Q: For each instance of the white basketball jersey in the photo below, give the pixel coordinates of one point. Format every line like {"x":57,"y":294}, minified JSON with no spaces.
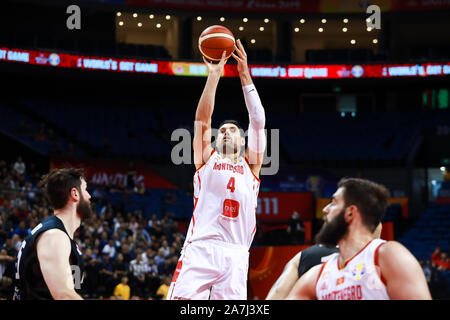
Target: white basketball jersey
{"x":356,"y":280}
{"x":225,"y":200}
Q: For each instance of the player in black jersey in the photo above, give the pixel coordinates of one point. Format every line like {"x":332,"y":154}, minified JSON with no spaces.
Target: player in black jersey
{"x":300,"y":264}
{"x":296,"y":267}
{"x":49,"y":264}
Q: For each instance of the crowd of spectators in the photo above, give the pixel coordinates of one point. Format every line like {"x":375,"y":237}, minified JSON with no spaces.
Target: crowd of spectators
{"x":126,"y":255}
{"x":437,"y":273}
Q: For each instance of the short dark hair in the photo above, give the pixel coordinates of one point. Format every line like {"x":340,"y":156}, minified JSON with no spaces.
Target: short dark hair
{"x":232,"y":122}
{"x":371,"y":199}
{"x":58,"y":183}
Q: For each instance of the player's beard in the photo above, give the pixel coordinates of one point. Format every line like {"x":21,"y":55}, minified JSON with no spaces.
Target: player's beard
{"x":84,"y":209}
{"x":332,"y":231}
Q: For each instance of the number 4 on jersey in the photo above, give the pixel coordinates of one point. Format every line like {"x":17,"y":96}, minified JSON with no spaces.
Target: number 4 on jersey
{"x":230,"y":184}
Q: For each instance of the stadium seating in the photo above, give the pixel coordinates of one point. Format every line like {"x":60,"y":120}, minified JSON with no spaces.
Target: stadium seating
{"x":309,"y":136}
{"x":126,"y":132}
{"x":431,"y":230}
{"x":153,"y":202}
{"x":10,"y":125}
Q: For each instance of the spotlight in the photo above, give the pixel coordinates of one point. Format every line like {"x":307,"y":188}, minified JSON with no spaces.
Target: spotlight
{"x":199,"y":18}
{"x":320,"y":29}
{"x":139,"y":24}
{"x":119,"y":14}
{"x":324,"y":20}
{"x":241,"y":28}
{"x":344,"y":29}
{"x":135,"y":15}
{"x":120,"y":23}
{"x":222,"y":19}
{"x":151,"y":16}
{"x":345,"y":20}
{"x":266,"y":20}
{"x":253,"y":41}
{"x":261,"y":28}
{"x":245,"y":19}
{"x":375,"y":40}
{"x":168,"y":17}
{"x":302,"y":20}
{"x":297,"y":29}
{"x":353,"y":41}
{"x":158,"y":25}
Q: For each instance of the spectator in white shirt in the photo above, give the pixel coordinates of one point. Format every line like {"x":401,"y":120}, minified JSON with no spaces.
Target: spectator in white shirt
{"x":19,"y":166}
{"x":166,"y":248}
{"x":110,"y":249}
{"x":160,"y":256}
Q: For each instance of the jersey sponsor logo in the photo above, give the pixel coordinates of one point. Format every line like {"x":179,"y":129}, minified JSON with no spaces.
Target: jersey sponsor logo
{"x":226,"y":166}
{"x":340,"y":281}
{"x":230,"y":208}
{"x":358,"y":271}
{"x":348,"y":293}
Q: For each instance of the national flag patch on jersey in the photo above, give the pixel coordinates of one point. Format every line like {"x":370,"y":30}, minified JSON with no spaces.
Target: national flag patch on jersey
{"x":340,"y":281}
{"x":358,"y":271}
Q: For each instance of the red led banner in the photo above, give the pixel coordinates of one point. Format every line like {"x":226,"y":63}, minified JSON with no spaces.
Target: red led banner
{"x":180,"y":68}
{"x":281,"y":205}
{"x":113,"y":173}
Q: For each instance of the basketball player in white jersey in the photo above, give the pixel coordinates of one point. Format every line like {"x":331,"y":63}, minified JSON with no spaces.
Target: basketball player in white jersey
{"x":365,"y":268}
{"x":214,"y":261}
{"x":300,"y":264}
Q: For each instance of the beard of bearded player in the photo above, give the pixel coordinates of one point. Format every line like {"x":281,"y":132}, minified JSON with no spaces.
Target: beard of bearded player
{"x":84,"y":208}
{"x":332,"y":231}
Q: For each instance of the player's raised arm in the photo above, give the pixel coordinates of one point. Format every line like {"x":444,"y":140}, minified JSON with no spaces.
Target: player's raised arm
{"x":256,"y":136}
{"x":202,"y":125}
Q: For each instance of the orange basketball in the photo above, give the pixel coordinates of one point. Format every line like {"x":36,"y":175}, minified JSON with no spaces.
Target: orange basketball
{"x":214,"y":40}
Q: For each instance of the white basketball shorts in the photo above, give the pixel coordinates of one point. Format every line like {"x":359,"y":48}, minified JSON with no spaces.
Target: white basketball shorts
{"x":210,"y":269}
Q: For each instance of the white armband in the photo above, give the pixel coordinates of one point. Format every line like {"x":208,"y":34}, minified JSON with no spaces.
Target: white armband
{"x":256,"y":136}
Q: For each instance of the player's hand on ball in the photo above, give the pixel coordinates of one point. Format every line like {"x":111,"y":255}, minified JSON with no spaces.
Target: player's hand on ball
{"x":216,"y":68}
{"x":241,"y":57}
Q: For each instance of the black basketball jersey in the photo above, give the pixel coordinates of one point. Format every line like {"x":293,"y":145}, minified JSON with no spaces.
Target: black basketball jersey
{"x":312,"y":256}
{"x":29,"y":281}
